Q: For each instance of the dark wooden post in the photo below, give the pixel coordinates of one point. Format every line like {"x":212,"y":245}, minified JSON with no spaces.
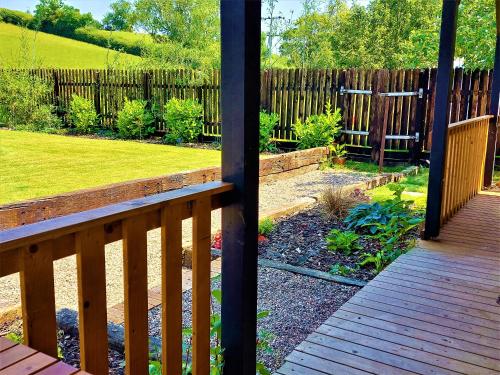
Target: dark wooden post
{"x":489,"y":166}
{"x":240,"y":65}
{"x":441,"y":110}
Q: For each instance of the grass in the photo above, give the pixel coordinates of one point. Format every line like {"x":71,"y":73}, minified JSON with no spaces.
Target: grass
{"x":361,"y":166}
{"x":35,"y":164}
{"x":47,"y":50}
{"x":415,"y":189}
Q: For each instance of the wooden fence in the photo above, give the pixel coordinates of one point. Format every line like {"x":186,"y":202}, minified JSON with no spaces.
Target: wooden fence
{"x":295,"y":94}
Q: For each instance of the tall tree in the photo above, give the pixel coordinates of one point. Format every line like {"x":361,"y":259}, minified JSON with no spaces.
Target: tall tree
{"x":119,"y":17}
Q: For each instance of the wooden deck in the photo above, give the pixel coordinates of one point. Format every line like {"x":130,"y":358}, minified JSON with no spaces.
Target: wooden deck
{"x":435,"y":310}
{"x":18,"y":359}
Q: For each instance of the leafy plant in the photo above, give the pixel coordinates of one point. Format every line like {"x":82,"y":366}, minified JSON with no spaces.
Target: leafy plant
{"x":83,"y":114}
{"x":344,"y":241}
{"x":394,"y":214}
{"x":340,"y":269}
{"x":266,"y":226}
{"x":267,"y":123}
{"x":216,"y":350}
{"x":318,"y":130}
{"x":134,"y":120}
{"x":338,"y":150}
{"x":184,"y":120}
{"x":23,"y":102}
{"x":380,"y":259}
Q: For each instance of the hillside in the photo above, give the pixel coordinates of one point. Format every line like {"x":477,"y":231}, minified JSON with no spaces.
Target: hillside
{"x":55,"y":51}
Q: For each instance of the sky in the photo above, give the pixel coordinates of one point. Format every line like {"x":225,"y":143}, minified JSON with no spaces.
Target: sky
{"x":99,"y":8}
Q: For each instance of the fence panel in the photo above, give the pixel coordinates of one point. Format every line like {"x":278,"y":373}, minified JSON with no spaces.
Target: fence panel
{"x":294,"y":94}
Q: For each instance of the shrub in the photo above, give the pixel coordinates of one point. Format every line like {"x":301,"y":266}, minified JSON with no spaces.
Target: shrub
{"x":267,"y":123}
{"x":318,"y":130}
{"x":184,"y":120}
{"x":338,"y":150}
{"x":266,"y":226}
{"x":125,"y":41}
{"x":344,"y":241}
{"x":23,"y":102}
{"x":83,"y":114}
{"x":134,"y":120}
{"x":15,"y":17}
{"x":336,"y":203}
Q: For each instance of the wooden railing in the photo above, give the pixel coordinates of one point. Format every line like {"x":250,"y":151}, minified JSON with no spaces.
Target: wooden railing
{"x":32,"y":249}
{"x":464,"y":163}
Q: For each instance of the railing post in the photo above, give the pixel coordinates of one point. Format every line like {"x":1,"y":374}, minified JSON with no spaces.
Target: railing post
{"x":489,"y":165}
{"x":240,"y":37}
{"x":441,"y":110}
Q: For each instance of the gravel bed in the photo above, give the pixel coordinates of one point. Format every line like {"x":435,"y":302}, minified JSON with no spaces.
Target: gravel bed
{"x":297,"y":305}
{"x":273,"y":196}
{"x":299,"y":240}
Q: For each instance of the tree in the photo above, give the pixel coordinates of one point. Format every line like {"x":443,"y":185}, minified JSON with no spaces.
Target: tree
{"x":191,"y":23}
{"x":55,"y":17}
{"x":120,"y":16}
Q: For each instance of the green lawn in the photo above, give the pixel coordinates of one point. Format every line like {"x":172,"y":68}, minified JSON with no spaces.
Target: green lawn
{"x":54,"y":51}
{"x":415,"y":189}
{"x":35,"y":165}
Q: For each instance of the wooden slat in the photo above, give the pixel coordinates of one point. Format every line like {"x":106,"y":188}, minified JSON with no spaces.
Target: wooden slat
{"x":37,"y":296}
{"x":171,"y":255}
{"x":14,"y":354}
{"x":201,"y":286}
{"x":59,"y":368}
{"x":5,"y":344}
{"x":30,"y":365}
{"x":135,"y":268}
{"x":92,"y":300}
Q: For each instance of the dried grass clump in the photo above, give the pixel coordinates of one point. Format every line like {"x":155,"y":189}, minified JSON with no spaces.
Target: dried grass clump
{"x":336,"y":203}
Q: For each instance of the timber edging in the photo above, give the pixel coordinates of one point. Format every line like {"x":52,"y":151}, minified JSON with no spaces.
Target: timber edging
{"x":32,"y":211}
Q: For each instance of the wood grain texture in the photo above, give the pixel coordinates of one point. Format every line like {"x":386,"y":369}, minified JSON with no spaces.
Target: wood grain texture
{"x":37,"y":298}
{"x":135,"y":277}
{"x":171,"y":257}
{"x":201,"y":286}
{"x":93,"y":322}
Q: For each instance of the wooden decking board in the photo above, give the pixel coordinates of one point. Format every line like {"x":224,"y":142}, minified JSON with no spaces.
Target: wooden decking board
{"x":434,"y":310}
{"x":22,"y":360}
{"x":473,"y":308}
{"x":473,"y":353}
{"x":431,"y":307}
{"x":484,"y":290}
{"x":443,"y":289}
{"x":444,"y":320}
{"x":290,"y":368}
{"x":487,"y":343}
{"x":459,"y":357}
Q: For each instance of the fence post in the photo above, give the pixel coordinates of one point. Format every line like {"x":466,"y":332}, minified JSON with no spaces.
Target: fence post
{"x":97,"y":95}
{"x":56,"y":92}
{"x":418,"y":144}
{"x":380,"y":82}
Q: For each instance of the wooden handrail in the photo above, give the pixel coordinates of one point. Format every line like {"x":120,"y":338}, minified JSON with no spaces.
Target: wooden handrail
{"x":32,"y":249}
{"x":469,"y":121}
{"x":464,"y":163}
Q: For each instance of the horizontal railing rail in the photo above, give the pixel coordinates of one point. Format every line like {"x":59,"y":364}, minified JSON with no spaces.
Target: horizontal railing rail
{"x":464,"y":163}
{"x":32,"y":249}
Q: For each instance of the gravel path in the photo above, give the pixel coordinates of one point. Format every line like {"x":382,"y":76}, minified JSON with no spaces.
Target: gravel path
{"x":297,"y":305}
{"x":273,"y":196}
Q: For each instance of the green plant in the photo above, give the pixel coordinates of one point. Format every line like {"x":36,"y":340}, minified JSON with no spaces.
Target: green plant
{"x":380,"y":259}
{"x":83,"y":114}
{"x":340,"y":269}
{"x":216,"y":350}
{"x":344,"y":241}
{"x":338,"y":150}
{"x":134,"y":120}
{"x":23,"y":102}
{"x":318,"y":130}
{"x":266,"y":226}
{"x":15,"y":17}
{"x":267,"y":123}
{"x":184,"y":120}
